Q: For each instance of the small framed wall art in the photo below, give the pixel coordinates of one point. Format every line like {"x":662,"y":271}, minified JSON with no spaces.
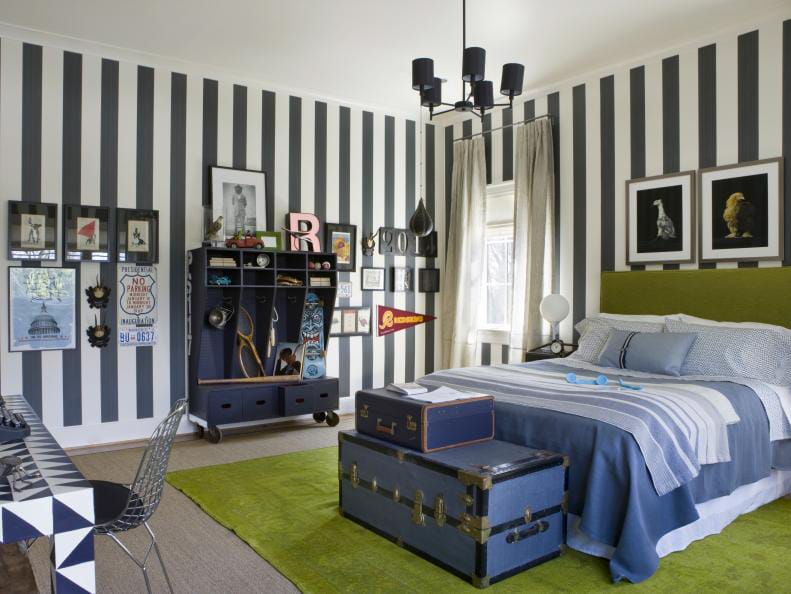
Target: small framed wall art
{"x":32,"y":230}
{"x":341,"y":240}
{"x":401,"y":279}
{"x":344,"y":290}
{"x":42,"y":308}
{"x":86,"y":233}
{"x":137,"y":235}
{"x":428,"y":280}
{"x":660,"y":215}
{"x":372,"y":279}
{"x":272,"y":240}
{"x":351,"y":321}
{"x":741,"y":211}
{"x":239,"y":197}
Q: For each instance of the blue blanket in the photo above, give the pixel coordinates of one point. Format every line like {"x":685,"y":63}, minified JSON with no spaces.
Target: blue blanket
{"x":610,"y":487}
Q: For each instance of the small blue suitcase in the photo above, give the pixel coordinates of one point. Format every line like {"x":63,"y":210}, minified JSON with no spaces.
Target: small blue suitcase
{"x":483,"y":512}
{"x":423,"y":426}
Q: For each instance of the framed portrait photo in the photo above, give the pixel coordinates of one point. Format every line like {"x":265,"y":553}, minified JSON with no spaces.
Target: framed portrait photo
{"x":660,"y":217}
{"x":87,"y":233}
{"x":137,"y":235}
{"x":42,"y":308}
{"x":239,"y":197}
{"x":372,"y":279}
{"x":341,"y":240}
{"x":741,"y":211}
{"x":401,"y":279}
{"x":32,"y":230}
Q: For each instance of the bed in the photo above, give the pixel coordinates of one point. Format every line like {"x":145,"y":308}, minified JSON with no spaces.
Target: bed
{"x":644,"y":485}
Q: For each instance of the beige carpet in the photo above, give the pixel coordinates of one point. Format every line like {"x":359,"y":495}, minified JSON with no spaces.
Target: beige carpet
{"x":201,"y":555}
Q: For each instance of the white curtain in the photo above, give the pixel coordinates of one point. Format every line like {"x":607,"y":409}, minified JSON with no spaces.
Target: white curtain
{"x":534,"y":215}
{"x":464,"y":264}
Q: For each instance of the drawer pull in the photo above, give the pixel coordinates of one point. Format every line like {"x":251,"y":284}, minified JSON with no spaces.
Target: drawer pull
{"x":324,"y":395}
{"x":384,"y":428}
{"x":226,"y":405}
{"x":260,"y":402}
{"x":518,"y":535}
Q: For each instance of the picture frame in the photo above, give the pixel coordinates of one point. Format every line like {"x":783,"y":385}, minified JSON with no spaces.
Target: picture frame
{"x":87,"y":233}
{"x":428,"y":280}
{"x":401,"y":279}
{"x":341,"y":240}
{"x":660,"y":219}
{"x":273,"y":240}
{"x":344,"y":290}
{"x":239,"y":196}
{"x":741,"y":211}
{"x":372,"y":279}
{"x":42,"y":309}
{"x":351,"y":321}
{"x":137,"y":235}
{"x":32,"y":231}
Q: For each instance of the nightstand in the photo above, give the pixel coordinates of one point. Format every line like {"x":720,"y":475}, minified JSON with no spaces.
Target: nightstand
{"x":542,"y":353}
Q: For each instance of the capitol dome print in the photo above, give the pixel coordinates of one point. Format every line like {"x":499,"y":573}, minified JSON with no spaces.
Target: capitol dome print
{"x":44,"y":325}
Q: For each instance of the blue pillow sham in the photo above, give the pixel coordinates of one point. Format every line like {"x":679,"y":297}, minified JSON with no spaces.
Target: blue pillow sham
{"x":663,"y":353}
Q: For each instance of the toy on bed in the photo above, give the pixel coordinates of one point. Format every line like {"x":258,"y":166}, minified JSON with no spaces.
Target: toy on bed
{"x":600,"y":380}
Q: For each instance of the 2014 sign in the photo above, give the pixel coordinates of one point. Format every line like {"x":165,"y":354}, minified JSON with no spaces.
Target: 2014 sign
{"x":137,"y":305}
{"x":402,"y":242}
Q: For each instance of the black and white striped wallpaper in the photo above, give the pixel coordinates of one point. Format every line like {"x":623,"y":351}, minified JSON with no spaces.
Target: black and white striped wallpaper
{"x":76,"y":127}
{"x":722,"y":101}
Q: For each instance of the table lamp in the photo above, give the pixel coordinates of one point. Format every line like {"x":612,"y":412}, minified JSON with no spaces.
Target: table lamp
{"x":554,"y":309}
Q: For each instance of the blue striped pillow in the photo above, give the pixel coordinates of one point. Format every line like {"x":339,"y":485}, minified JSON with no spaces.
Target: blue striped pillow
{"x":662,"y":353}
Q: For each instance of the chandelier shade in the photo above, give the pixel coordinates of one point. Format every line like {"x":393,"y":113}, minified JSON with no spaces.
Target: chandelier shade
{"x":422,"y":74}
{"x":473,"y":64}
{"x":483,"y":94}
{"x":512,"y":80}
{"x":433,"y":96}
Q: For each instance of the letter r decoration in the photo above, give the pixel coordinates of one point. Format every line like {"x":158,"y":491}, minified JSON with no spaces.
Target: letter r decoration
{"x":303,"y":227}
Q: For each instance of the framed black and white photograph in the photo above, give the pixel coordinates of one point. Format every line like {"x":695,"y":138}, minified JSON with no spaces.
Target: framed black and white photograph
{"x":401,"y":279}
{"x":239,"y":197}
{"x":87,"y":233}
{"x":428,"y":280}
{"x":32,"y":230}
{"x":741,"y":211}
{"x":137,"y":234}
{"x":341,"y":240}
{"x":372,"y":279}
{"x":660,"y":219}
{"x":42,"y":305}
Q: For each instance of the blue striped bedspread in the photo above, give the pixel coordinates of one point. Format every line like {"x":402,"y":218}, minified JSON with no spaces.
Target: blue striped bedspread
{"x":678,"y":426}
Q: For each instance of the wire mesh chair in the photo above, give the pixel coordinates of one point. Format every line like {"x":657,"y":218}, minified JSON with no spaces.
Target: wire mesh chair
{"x":120,"y":508}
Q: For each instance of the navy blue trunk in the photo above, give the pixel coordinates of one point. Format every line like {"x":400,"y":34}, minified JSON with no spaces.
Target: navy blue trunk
{"x":484,"y":511}
{"x":422,"y":426}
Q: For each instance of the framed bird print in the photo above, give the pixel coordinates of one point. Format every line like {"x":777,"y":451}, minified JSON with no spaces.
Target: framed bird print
{"x":86,"y":233}
{"x":32,"y":230}
{"x":660,"y":217}
{"x":137,"y":234}
{"x":741,"y":211}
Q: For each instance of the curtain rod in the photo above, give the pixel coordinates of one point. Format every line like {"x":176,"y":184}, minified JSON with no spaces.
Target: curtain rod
{"x":527,"y":121}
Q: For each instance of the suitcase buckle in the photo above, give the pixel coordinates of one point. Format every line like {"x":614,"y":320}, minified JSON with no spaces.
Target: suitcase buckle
{"x":364,"y":411}
{"x":418,"y":517}
{"x":410,"y":424}
{"x":528,"y":514}
{"x":354,"y":476}
{"x":396,"y":494}
{"x":439,"y":510}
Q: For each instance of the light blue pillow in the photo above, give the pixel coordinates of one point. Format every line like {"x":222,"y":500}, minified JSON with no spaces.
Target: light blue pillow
{"x":662,"y":353}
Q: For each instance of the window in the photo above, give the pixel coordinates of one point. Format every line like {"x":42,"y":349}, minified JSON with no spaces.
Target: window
{"x":495,"y":315}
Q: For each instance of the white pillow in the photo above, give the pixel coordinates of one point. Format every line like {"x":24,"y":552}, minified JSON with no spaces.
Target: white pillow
{"x":705,"y":322}
{"x":762,"y":353}
{"x":653,"y":319}
{"x":594,"y":332}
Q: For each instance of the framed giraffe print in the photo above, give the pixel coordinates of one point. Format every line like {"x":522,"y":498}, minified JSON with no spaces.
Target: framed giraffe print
{"x":660,"y":219}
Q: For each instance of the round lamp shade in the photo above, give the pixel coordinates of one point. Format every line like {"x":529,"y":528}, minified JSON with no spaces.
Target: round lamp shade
{"x":473,"y":64}
{"x":422,"y":73}
{"x":432,"y":97}
{"x":554,"y":308}
{"x":512,"y":80}
{"x":483,"y":94}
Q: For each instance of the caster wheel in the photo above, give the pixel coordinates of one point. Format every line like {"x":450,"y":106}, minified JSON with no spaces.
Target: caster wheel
{"x":333,"y":419}
{"x":201,"y":432}
{"x":214,"y":435}
{"x":319,"y":417}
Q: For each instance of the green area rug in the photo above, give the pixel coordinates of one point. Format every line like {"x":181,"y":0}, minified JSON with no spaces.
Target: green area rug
{"x":286,"y":509}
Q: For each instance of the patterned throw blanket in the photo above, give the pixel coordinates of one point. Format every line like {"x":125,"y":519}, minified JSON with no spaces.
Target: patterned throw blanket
{"x":677,"y":426}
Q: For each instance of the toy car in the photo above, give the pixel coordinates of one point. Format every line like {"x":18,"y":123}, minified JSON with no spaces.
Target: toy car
{"x":248,"y":240}
{"x":220,"y":281}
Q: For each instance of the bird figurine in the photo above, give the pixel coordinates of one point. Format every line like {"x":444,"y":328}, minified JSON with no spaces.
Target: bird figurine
{"x":738,"y":216}
{"x":212,"y":233}
{"x":664,"y":224}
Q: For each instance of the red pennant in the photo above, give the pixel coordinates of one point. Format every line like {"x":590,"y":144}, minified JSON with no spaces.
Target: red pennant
{"x":390,"y":319}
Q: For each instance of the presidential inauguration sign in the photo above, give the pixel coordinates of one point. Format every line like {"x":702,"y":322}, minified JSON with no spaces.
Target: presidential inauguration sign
{"x":390,"y":319}
{"x":137,"y":305}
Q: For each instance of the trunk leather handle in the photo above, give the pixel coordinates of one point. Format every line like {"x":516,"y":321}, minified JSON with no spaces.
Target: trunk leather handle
{"x":518,"y":535}
{"x":384,"y":428}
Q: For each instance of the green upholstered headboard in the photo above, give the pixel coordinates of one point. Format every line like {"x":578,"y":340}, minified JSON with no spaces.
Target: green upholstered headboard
{"x":730,"y":294}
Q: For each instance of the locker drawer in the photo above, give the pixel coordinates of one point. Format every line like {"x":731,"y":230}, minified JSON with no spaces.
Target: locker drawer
{"x":261,"y":403}
{"x":225,"y":406}
{"x":297,"y":399}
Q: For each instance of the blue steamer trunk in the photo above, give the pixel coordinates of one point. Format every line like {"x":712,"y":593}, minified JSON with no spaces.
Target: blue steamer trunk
{"x":484,"y":511}
{"x":421,"y":425}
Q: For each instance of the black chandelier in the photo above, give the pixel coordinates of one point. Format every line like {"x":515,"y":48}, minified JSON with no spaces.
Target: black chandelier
{"x":473,"y":68}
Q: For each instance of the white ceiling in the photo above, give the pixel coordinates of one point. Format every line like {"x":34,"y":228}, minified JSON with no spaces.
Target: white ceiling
{"x":360,"y":50}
